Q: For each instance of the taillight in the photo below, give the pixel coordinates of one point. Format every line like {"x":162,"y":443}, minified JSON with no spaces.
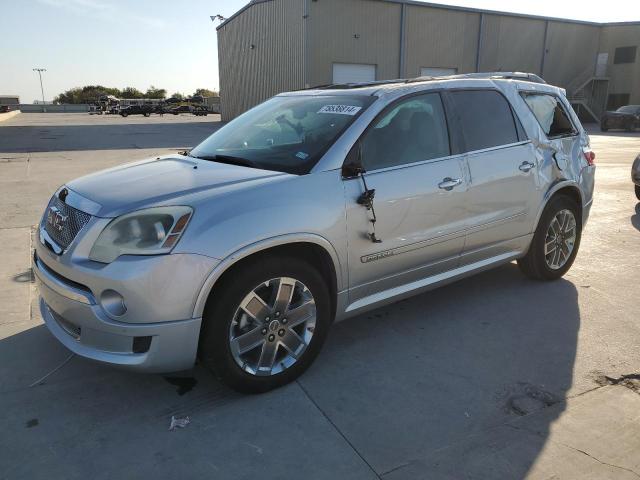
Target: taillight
{"x":590,"y":157}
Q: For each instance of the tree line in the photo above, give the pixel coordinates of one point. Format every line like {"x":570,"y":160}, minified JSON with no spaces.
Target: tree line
{"x":91,"y":93}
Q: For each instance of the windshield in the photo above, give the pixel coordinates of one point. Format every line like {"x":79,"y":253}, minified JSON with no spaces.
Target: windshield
{"x":629,"y":109}
{"x":287,"y":134}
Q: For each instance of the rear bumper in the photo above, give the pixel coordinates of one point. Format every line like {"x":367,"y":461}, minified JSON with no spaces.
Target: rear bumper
{"x":79,"y":323}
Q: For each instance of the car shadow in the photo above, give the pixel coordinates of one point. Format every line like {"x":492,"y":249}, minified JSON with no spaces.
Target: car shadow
{"x":635,"y":218}
{"x":55,"y":138}
{"x":423,"y":385}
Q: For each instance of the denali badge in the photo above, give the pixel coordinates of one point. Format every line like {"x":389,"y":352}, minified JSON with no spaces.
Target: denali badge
{"x":56,"y":219}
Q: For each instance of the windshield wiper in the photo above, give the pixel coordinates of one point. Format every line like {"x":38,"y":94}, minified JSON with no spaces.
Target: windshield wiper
{"x":228,"y":159}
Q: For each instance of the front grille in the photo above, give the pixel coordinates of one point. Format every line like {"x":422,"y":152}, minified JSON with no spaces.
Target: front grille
{"x":70,"y":222}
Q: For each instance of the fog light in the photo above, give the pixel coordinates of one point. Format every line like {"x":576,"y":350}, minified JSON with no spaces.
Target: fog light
{"x":113,"y":303}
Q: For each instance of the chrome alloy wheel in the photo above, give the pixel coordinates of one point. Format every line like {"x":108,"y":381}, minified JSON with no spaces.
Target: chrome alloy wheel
{"x":560,"y":239}
{"x":273,"y":326}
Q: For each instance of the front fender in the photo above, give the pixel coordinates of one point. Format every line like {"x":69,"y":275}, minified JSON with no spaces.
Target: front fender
{"x":260,"y":246}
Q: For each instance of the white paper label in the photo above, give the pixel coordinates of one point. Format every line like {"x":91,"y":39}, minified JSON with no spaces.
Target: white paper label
{"x":340,"y":109}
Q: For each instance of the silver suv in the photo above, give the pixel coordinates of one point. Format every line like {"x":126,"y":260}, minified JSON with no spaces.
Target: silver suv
{"x":313,"y":206}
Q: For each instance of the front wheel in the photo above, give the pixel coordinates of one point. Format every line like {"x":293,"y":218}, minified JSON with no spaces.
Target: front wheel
{"x":265,"y":324}
{"x":555,"y":242}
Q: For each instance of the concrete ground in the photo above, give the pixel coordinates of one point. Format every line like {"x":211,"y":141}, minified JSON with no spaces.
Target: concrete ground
{"x":495,"y":377}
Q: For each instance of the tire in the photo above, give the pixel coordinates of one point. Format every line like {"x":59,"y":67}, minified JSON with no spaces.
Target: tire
{"x":630,"y":127}
{"x":604,"y":128}
{"x":535,"y":264}
{"x":637,"y":191}
{"x":124,"y":114}
{"x":147,"y":114}
{"x":223,"y":318}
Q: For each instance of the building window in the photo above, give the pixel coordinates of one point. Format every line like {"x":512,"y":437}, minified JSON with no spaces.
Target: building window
{"x":617,"y":100}
{"x":625,"y":55}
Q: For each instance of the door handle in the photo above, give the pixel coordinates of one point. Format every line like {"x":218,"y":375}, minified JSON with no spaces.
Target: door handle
{"x":449,"y":183}
{"x":526,"y":166}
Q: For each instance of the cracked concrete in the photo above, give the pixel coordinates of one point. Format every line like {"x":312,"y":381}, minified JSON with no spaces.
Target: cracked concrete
{"x":495,"y":377}
{"x":630,"y":381}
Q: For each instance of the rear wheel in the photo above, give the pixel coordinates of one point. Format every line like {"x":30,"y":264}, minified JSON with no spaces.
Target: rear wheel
{"x":265,"y":324}
{"x":637,"y":191}
{"x":555,"y":242}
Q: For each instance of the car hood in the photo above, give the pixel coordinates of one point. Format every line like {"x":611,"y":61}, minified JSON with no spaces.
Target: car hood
{"x":165,"y":180}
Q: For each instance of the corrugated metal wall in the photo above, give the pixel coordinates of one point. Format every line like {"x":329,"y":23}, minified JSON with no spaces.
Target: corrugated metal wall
{"x":625,"y":77}
{"x":260,"y":54}
{"x":512,"y":44}
{"x":572,"y":49}
{"x":291,"y":51}
{"x":439,"y":38}
{"x":353,"y":31}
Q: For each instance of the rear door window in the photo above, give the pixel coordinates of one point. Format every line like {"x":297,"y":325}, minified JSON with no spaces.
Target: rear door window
{"x":551,"y":114}
{"x":485,"y":118}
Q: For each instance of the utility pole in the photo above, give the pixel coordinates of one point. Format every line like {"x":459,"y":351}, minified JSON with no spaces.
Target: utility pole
{"x":40,"y":70}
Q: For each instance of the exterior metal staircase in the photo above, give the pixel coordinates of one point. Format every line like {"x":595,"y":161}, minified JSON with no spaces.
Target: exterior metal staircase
{"x":588,"y":94}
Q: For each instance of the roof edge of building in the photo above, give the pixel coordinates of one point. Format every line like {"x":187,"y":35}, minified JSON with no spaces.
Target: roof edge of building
{"x":246,"y":7}
{"x":461,"y":9}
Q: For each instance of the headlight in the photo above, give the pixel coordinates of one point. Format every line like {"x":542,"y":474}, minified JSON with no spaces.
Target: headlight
{"x":146,"y":232}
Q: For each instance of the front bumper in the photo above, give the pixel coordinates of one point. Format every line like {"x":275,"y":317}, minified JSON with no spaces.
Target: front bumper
{"x":157,"y":333}
{"x":79,"y":323}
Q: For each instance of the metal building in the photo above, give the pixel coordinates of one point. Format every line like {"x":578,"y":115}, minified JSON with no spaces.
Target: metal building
{"x":270,"y":46}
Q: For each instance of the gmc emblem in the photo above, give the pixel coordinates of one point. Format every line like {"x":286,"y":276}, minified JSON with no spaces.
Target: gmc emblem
{"x":56,"y":219}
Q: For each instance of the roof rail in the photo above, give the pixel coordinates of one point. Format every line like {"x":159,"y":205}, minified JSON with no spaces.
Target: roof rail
{"x":527,"y":77}
{"x":346,"y":86}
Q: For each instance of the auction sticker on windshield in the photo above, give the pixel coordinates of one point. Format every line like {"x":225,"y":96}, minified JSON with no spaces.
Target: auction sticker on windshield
{"x":340,"y":109}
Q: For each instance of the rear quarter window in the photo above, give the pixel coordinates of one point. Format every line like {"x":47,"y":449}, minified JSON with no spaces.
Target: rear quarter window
{"x":551,"y":114}
{"x":485,"y":118}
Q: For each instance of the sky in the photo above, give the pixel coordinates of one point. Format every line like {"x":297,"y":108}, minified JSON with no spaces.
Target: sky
{"x":166,"y":43}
